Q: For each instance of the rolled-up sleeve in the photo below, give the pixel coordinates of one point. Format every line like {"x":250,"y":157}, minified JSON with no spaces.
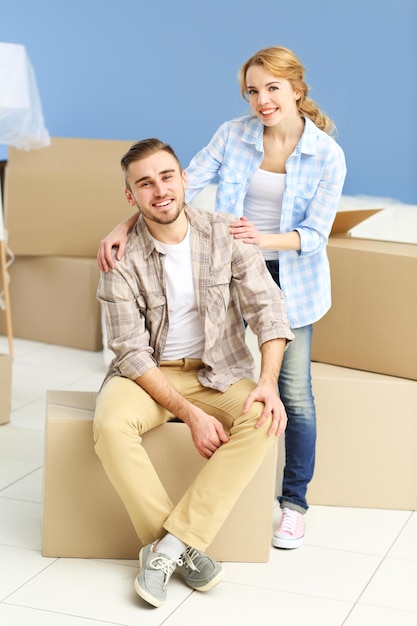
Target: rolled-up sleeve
{"x":319,"y":203}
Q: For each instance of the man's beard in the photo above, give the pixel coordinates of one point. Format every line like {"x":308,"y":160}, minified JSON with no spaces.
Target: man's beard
{"x":167,"y":219}
{"x":161,"y":218}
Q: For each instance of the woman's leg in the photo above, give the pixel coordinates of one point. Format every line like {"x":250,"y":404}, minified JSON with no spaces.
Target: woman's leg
{"x":297,"y":395}
{"x":300,"y":435}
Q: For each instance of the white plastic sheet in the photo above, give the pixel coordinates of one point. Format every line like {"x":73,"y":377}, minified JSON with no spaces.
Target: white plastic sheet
{"x":21,"y":119}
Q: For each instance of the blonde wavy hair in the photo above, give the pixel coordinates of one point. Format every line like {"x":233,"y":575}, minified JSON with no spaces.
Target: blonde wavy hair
{"x":283,"y":63}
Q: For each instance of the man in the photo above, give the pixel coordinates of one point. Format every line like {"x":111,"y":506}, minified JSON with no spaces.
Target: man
{"x":174,"y":309}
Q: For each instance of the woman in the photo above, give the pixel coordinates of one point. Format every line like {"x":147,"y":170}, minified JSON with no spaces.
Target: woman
{"x":281,"y":174}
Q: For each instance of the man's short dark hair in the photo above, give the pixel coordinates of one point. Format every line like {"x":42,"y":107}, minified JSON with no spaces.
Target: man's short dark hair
{"x":144,"y":149}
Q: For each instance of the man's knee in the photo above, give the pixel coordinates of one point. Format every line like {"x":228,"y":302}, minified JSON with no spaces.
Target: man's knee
{"x":113,"y":416}
{"x":252,"y":416}
{"x":105,"y":423}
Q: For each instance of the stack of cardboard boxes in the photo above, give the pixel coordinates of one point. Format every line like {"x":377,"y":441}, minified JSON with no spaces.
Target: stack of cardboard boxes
{"x":365,"y":367}
{"x":59,"y":202}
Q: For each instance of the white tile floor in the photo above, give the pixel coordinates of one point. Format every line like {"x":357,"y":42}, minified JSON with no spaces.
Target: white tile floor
{"x":357,"y":567}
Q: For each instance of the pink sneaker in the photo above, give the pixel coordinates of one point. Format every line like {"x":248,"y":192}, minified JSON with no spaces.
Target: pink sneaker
{"x":290,"y":532}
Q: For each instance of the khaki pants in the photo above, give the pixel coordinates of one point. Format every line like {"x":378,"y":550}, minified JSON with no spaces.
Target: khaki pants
{"x":124,"y":412}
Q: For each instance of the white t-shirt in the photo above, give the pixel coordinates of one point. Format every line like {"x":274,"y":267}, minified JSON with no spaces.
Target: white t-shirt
{"x":186,"y":333}
{"x":263,"y":204}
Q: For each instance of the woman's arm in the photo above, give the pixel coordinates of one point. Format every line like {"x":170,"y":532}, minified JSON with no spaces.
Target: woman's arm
{"x":247,"y":231}
{"x":308,"y":224}
{"x":204,"y":166}
{"x":117,"y":238}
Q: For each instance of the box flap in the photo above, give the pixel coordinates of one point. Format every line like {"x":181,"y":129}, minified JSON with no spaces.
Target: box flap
{"x":81,"y":400}
{"x":345,"y":220}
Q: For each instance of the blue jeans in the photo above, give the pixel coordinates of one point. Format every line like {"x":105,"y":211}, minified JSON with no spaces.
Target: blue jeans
{"x":296,"y":393}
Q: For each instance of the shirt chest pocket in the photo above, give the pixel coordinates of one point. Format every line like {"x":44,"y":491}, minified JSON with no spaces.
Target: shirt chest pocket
{"x":218,"y":294}
{"x":152,"y":307}
{"x":303,"y":196}
{"x":305,"y":192}
{"x":231,"y":182}
{"x":232,"y":175}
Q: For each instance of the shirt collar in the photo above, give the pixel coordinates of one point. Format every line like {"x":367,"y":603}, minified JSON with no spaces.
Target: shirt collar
{"x":148,"y":243}
{"x":308,"y":140}
{"x":254,"y":129}
{"x":253,"y":132}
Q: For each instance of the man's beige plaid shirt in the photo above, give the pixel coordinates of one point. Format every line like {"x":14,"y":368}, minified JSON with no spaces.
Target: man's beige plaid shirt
{"x":232,"y":284}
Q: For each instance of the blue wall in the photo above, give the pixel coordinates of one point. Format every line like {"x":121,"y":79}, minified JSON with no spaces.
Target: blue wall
{"x":128,"y":69}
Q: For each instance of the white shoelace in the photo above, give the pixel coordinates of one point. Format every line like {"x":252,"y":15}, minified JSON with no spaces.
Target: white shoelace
{"x":288,"y":522}
{"x":167,"y":566}
{"x":189,"y":555}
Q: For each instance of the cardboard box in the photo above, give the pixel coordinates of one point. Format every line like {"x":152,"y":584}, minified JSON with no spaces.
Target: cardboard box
{"x":6,"y":362}
{"x":396,"y":222}
{"x":367,"y":439}
{"x":371,"y":325}
{"x":63,"y":199}
{"x":53,"y":300}
{"x":84,"y":517}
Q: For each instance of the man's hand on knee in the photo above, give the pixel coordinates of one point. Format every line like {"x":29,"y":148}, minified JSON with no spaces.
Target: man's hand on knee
{"x":273,"y":408}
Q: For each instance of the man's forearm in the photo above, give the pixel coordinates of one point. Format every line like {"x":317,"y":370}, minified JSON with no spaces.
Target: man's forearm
{"x":272,"y":353}
{"x":157,"y":385}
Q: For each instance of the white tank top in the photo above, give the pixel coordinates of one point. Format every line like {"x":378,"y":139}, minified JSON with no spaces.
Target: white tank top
{"x":263,"y":204}
{"x":185,"y":333}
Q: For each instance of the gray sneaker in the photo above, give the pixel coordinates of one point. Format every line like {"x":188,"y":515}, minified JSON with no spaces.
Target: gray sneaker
{"x":200,"y":571}
{"x":155,"y":571}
